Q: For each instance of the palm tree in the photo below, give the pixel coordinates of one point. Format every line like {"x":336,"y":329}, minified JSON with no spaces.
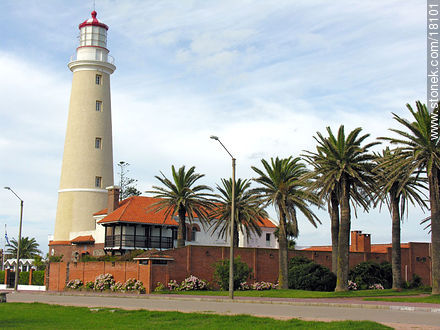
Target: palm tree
{"x":248,"y":210}
{"x":291,"y":235}
{"x":180,"y":196}
{"x":28,"y":248}
{"x":397,"y":187}
{"x":283,"y":186}
{"x":420,"y":152}
{"x":327,"y":190}
{"x":344,"y":173}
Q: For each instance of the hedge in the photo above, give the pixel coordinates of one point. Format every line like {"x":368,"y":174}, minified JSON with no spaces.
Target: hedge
{"x":2,"y":276}
{"x":38,"y":277}
{"x":23,"y":278}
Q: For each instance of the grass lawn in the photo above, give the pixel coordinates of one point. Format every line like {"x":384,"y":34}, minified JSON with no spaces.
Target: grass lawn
{"x":303,"y":293}
{"x":43,"y":316}
{"x":434,"y":299}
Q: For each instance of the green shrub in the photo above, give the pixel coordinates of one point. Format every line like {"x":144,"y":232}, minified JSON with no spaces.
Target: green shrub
{"x":56,"y":258}
{"x":295,"y":261}
{"x":38,"y":277}
{"x":221,"y":273}
{"x":87,"y":257}
{"x":369,"y":273}
{"x":304,"y":274}
{"x":23,"y":278}
{"x":2,"y":276}
{"x":387,"y":274}
{"x":416,"y":282}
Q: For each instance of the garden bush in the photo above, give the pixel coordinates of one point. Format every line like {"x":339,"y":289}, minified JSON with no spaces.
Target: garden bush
{"x":416,"y":282}
{"x":221,"y":273}
{"x":259,"y":286}
{"x":368,"y":273}
{"x":74,"y":284}
{"x":190,"y":283}
{"x":56,"y":258}
{"x":38,"y":277}
{"x":304,"y":274}
{"x":23,"y":278}
{"x":2,"y":276}
{"x":103,"y":282}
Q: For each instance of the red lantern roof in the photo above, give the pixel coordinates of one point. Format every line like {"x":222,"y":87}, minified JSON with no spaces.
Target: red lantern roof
{"x":93,"y":21}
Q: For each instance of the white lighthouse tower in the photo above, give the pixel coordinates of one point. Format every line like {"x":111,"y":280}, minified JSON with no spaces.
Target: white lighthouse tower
{"x":87,"y":167}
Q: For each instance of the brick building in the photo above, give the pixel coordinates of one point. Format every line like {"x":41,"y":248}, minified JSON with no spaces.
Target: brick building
{"x":134,"y":224}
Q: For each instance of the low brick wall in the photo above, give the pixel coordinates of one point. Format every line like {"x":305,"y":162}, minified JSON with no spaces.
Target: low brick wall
{"x":200,"y":260}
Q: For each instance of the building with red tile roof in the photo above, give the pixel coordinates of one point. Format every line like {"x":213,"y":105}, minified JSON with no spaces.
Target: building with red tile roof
{"x":134,"y":223}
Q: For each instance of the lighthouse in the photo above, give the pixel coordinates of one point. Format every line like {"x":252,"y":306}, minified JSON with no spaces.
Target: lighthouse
{"x":87,"y":167}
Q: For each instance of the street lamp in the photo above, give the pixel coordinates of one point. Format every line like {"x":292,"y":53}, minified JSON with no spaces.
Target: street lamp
{"x":17,"y":270}
{"x":231,"y":248}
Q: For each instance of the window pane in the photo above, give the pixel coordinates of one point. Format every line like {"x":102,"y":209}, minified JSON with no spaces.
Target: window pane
{"x":98,"y":105}
{"x":98,"y":143}
{"x":98,"y":79}
{"x":98,"y":180}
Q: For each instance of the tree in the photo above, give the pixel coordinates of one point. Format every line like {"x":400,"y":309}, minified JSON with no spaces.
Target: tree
{"x":397,"y":187}
{"x":28,"y":248}
{"x":344,"y":168}
{"x":290,"y":235}
{"x":421,"y":152}
{"x":326,"y":189}
{"x":127,"y":184}
{"x":283,"y":186}
{"x":248,"y":210}
{"x":180,"y":196}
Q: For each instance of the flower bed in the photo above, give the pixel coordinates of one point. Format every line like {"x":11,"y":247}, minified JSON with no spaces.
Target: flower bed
{"x":190,"y":283}
{"x":259,"y":286}
{"x":106,"y":282}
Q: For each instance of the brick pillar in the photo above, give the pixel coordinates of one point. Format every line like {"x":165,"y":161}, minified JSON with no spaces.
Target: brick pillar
{"x":31,"y":272}
{"x":6,"y":276}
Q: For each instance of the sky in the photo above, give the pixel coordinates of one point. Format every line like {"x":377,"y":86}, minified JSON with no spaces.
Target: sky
{"x":263,"y":76}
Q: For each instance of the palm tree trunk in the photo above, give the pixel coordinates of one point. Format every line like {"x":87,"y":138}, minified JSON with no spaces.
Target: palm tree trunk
{"x":344,"y":238}
{"x":236,"y":237}
{"x":434,"y":199}
{"x":181,"y":230}
{"x":396,"y":253}
{"x":334,"y":217}
{"x":282,"y":251}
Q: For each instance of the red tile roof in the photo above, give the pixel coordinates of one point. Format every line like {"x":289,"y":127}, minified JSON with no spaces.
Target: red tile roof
{"x":83,"y":239}
{"x":382,"y":248}
{"x":375,"y":248}
{"x":137,"y":209}
{"x":59,"y":243}
{"x":140,"y":209}
{"x":267,"y":224}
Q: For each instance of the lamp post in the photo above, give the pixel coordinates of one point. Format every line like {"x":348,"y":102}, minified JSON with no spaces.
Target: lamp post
{"x":231,"y":247}
{"x":17,"y":270}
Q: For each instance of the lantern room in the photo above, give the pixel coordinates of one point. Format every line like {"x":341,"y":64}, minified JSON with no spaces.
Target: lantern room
{"x":92,"y":40}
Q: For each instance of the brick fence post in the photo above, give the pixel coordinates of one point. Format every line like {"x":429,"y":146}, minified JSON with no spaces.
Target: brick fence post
{"x":31,"y":272}
{"x":6,"y":276}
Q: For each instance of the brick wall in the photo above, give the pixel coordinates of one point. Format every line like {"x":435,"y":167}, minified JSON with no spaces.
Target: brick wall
{"x":200,"y":260}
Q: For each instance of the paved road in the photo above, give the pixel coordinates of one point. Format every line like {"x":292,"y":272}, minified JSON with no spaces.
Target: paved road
{"x":393,"y":315}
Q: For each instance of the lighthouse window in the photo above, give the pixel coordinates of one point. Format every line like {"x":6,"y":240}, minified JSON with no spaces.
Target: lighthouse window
{"x":98,"y":143}
{"x":98,"y":105}
{"x":98,"y":79}
{"x":98,"y":181}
